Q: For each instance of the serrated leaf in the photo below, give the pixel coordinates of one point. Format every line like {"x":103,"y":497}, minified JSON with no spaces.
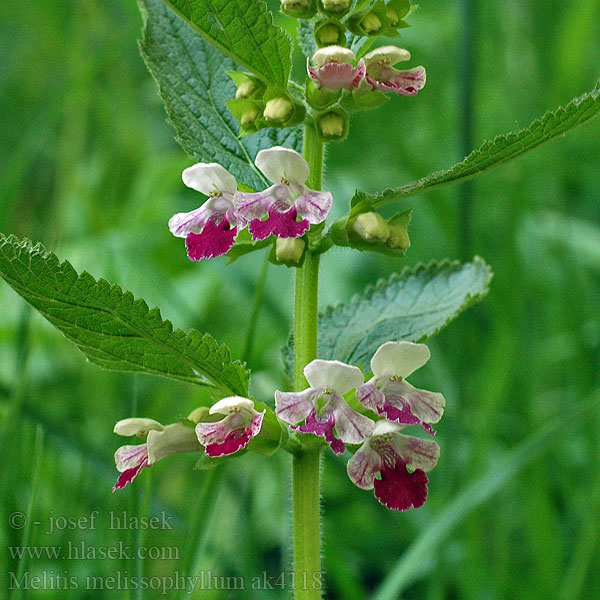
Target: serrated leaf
{"x":244,"y":30}
{"x":306,"y":37}
{"x":500,"y":150}
{"x":111,"y":327}
{"x":192,"y":80}
{"x":409,"y":307}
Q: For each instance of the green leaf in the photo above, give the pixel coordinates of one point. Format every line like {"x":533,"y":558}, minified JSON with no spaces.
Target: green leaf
{"x":498,"y":151}
{"x":412,"y":306}
{"x":193,"y":83}
{"x":111,"y":327}
{"x":244,"y":30}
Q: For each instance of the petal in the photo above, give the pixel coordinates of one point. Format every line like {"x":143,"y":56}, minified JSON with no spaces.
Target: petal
{"x":387,"y":54}
{"x":128,"y":427}
{"x":350,"y":426}
{"x":279,"y":163}
{"x":209,"y":178}
{"x":127,"y":457}
{"x":399,"y":358}
{"x":214,"y":209}
{"x":363,"y":467}
{"x":370,"y":397}
{"x":233,"y":404}
{"x":416,"y":452}
{"x":313,"y":206}
{"x":334,"y":375}
{"x":336,"y":76}
{"x":236,"y":439}
{"x":399,"y":412}
{"x":214,"y":240}
{"x":426,"y":406}
{"x":339,"y":54}
{"x":128,"y":476}
{"x":400,"y":490}
{"x":175,"y":439}
{"x":323,"y":427}
{"x":404,"y":83}
{"x":254,"y":206}
{"x":280,"y":224}
{"x":293,"y":407}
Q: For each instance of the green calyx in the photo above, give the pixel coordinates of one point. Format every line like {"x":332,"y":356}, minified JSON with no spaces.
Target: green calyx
{"x":380,"y":19}
{"x":330,"y":32}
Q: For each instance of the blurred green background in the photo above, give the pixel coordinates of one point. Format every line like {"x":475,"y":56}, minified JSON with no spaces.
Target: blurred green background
{"x":89,"y":168}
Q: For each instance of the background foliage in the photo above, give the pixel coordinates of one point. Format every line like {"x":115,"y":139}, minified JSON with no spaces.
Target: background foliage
{"x":90,"y":168}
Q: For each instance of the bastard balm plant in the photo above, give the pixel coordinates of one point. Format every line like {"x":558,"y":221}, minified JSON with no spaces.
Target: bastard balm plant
{"x":256,"y":139}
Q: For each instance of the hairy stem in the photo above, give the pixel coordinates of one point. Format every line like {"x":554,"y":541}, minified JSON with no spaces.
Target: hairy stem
{"x":305,"y":464}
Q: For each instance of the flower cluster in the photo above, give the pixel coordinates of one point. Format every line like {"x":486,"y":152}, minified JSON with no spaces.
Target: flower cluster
{"x":335,"y":68}
{"x":394,"y":464}
{"x":237,"y":423}
{"x":286,"y":209}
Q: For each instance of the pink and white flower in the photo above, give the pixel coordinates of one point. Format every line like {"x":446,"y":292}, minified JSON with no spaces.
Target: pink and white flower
{"x":334,"y":68}
{"x":160,"y":442}
{"x":395,"y":465}
{"x":286,"y":201}
{"x":382,"y":76}
{"x":389,"y":394}
{"x":322,"y":406}
{"x":209,"y":230}
{"x":232,"y":433}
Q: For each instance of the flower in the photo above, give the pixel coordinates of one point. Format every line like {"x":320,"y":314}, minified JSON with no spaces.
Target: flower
{"x":284,"y":201}
{"x":160,"y":442}
{"x":322,"y":405}
{"x":209,"y":230}
{"x":389,"y":394}
{"x":333,"y":69}
{"x":383,"y":77}
{"x":232,"y":433}
{"x":401,"y":462}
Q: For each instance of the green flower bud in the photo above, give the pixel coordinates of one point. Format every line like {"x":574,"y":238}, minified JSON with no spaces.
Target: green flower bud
{"x":249,"y":116}
{"x":392,"y":15}
{"x":371,"y":23}
{"x":335,"y":6}
{"x":278,"y":110}
{"x":328,"y":34}
{"x":371,"y":227}
{"x":289,"y":250}
{"x":398,"y":238}
{"x":246,"y":89}
{"x":301,"y":9}
{"x":332,"y":125}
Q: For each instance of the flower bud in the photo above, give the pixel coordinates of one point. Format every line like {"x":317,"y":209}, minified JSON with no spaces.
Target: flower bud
{"x":331,"y":125}
{"x":328,"y":34}
{"x":371,"y":23}
{"x":246,"y":89}
{"x":371,"y":227}
{"x":392,"y":15}
{"x":398,"y":238}
{"x":278,"y":110}
{"x":301,"y":9}
{"x":289,"y":250}
{"x":249,"y":116}
{"x":335,"y":7}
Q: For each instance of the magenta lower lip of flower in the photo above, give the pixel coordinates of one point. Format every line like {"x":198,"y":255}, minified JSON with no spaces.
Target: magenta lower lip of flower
{"x":390,"y":395}
{"x":288,"y":208}
{"x":209,"y":230}
{"x":395,"y":465}
{"x":322,"y":406}
{"x":382,"y":76}
{"x":240,"y":424}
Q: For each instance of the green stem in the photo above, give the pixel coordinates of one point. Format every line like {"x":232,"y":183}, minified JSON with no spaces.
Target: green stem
{"x":305,"y":464}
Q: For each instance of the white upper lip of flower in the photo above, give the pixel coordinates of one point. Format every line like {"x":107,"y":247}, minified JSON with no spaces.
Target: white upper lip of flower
{"x":337,"y":54}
